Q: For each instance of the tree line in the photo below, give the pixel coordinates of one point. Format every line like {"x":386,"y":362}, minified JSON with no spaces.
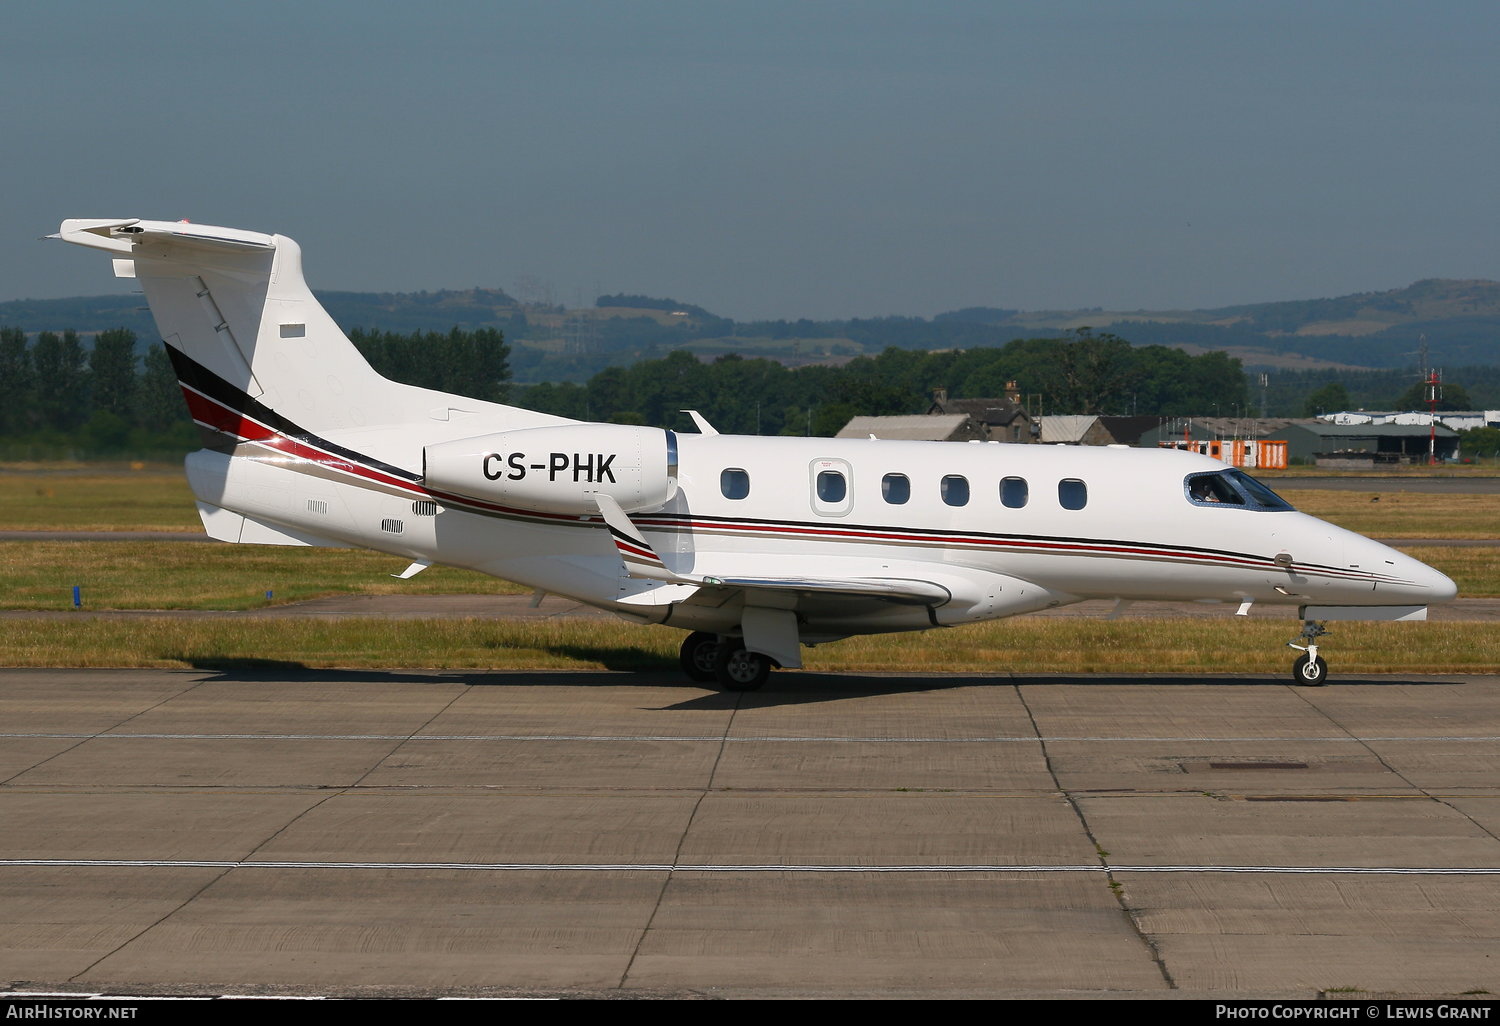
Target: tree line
{"x":1085,"y":373}
{"x":61,"y":399}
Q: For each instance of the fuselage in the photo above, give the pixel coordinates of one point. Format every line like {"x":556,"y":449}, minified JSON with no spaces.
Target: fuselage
{"x":774,"y":540}
{"x":1003,"y":528}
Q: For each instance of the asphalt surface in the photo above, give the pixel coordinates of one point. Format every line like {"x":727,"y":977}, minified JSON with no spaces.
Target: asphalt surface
{"x":523,"y":607}
{"x":622,"y":835}
{"x":1343,"y":483}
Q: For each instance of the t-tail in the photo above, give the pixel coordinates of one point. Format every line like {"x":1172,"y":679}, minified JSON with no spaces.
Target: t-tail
{"x":255,"y":351}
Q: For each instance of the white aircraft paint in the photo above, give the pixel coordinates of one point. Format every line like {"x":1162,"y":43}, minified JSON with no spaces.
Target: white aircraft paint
{"x":757,"y":545}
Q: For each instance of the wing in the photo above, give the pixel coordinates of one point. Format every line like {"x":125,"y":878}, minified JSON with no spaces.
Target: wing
{"x":641,"y":560}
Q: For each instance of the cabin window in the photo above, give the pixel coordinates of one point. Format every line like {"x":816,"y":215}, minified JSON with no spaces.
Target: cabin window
{"x":1072,"y":493}
{"x":895,"y":489}
{"x":1014,"y":492}
{"x":955,"y":490}
{"x":831,"y":482}
{"x":831,"y":486}
{"x":734,"y":483}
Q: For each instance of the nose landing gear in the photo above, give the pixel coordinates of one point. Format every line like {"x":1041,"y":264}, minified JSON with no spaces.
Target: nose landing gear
{"x":1309,"y":669}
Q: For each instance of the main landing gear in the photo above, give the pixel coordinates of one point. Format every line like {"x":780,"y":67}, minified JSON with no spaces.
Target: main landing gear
{"x":706,"y":657}
{"x":1309,"y":669}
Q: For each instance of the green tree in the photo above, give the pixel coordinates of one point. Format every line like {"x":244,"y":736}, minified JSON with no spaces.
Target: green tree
{"x":1331,"y":398}
{"x":159,"y":403}
{"x":1482,"y":442}
{"x":1450,"y":397}
{"x":61,"y":380}
{"x":15,"y":381}
{"x":471,"y":363}
{"x":1093,"y":374}
{"x":112,"y":373}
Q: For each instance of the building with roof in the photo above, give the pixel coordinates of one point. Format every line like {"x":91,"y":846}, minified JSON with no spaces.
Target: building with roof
{"x":1310,"y":439}
{"x":1088,"y":429}
{"x":953,"y":427}
{"x":1000,"y":420}
{"x":1458,"y":420}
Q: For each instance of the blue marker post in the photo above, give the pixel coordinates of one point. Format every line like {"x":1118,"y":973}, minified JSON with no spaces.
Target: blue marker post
{"x":77,"y":597}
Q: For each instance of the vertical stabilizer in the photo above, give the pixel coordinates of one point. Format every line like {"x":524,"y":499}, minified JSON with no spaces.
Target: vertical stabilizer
{"x":239,"y":320}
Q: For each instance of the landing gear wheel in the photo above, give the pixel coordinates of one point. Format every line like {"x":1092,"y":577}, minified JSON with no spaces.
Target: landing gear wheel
{"x":1310,"y":670}
{"x":739,"y":669}
{"x":699,"y":655}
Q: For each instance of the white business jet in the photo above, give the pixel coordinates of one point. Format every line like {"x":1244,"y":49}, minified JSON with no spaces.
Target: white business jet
{"x":756,"y":546}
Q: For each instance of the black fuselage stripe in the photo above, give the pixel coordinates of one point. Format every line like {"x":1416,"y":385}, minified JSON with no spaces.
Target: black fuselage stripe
{"x":204,"y":381}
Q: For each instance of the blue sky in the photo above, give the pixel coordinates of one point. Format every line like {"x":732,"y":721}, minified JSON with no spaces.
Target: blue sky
{"x":772,"y":159}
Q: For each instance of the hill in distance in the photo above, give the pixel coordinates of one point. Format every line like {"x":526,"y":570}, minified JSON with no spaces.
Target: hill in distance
{"x":1460,"y":320}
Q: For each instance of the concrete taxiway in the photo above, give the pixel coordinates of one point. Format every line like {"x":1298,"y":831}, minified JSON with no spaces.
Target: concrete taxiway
{"x":422,"y":832}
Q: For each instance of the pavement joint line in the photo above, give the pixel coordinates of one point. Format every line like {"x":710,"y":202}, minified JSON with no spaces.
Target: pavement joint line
{"x":770,"y":867}
{"x":606,"y":867}
{"x":1033,"y":739}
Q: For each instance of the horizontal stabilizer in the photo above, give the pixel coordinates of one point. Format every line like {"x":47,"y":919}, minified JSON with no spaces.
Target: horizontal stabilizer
{"x":227,"y":526}
{"x":120,"y":235}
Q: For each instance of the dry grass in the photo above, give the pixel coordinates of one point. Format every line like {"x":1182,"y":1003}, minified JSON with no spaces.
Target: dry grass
{"x":1023,"y":645}
{"x":149,"y":499}
{"x":1404,"y":514}
{"x":1476,"y":570}
{"x":1488,"y":467}
{"x":171,"y":575}
{"x":1230,"y":644}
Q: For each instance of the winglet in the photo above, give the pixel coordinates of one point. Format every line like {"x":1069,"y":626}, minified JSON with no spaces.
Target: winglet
{"x":704,"y":427}
{"x":639,"y":557}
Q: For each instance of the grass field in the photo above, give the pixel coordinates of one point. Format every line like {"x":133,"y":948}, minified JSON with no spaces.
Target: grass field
{"x":1404,"y":514}
{"x":40,"y":575}
{"x":153,"y":498}
{"x":171,"y":575}
{"x":1020,"y":645}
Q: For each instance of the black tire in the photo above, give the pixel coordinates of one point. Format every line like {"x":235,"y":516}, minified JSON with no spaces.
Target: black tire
{"x":1312,"y":673}
{"x":739,"y":669}
{"x":699,"y":656}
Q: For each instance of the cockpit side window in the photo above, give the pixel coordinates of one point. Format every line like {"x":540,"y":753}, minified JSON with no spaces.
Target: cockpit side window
{"x":1232,"y":488}
{"x":1213,"y":490}
{"x":1259,"y":494}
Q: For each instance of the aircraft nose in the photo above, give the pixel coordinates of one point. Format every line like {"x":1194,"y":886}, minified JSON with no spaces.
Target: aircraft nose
{"x":1413,"y":578}
{"x":1439,"y":586}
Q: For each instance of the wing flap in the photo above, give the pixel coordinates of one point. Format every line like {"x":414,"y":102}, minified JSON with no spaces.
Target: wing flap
{"x":640,"y":560}
{"x":923,"y":593}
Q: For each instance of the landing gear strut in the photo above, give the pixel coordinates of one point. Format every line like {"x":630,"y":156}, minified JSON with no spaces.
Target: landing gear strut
{"x":1309,"y":669}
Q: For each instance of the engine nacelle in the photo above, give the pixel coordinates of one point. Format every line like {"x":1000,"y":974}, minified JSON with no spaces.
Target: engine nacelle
{"x":553,"y":469}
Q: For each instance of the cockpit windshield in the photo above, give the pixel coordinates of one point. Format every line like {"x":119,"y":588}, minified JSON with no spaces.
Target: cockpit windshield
{"x":1232,"y":488}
